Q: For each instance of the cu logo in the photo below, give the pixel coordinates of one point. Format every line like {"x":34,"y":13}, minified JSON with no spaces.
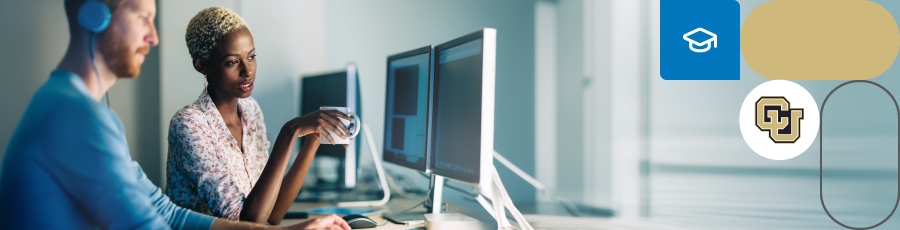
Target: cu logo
{"x":775,"y":115}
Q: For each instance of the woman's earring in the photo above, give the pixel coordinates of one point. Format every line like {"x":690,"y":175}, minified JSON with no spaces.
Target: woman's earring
{"x":205,"y":84}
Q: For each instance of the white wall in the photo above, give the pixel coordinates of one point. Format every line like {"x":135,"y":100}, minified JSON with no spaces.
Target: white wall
{"x":570,"y":87}
{"x":545,"y":94}
{"x":601,"y":103}
{"x":628,"y":111}
{"x":36,"y":34}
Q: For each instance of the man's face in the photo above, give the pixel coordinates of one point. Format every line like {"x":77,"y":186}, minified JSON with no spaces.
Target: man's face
{"x":127,"y":40}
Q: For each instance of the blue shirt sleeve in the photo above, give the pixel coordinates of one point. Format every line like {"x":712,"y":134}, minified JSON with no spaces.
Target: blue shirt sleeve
{"x":92,"y":164}
{"x":176,"y":217}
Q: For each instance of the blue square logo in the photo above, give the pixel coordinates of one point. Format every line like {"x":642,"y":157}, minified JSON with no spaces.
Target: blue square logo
{"x":700,"y":40}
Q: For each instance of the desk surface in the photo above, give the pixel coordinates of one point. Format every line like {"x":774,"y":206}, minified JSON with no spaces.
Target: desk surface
{"x":397,"y":204}
{"x":536,"y":221}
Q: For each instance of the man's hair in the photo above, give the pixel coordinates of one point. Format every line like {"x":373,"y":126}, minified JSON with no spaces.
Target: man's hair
{"x":72,"y":11}
{"x":208,"y":27}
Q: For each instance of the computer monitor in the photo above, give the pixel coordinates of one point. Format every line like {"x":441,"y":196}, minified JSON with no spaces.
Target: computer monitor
{"x":336,"y":88}
{"x":463,"y":108}
{"x":406,"y":109}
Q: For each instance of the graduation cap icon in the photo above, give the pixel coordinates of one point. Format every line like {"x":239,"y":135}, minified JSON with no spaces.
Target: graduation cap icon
{"x":691,"y":42}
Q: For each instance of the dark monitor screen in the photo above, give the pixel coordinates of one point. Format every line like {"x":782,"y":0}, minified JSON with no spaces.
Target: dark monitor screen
{"x":328,"y":89}
{"x":456,"y":144}
{"x":324,"y":90}
{"x":406,"y":108}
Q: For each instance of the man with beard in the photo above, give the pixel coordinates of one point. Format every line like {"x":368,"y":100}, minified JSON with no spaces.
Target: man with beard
{"x":68,"y":166}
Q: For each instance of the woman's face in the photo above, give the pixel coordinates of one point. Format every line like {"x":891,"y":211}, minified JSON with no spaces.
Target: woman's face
{"x":231,"y":67}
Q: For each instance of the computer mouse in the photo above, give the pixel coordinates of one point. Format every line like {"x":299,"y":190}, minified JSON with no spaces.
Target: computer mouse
{"x":357,"y":221}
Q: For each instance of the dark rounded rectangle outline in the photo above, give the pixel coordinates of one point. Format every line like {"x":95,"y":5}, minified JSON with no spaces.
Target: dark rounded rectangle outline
{"x":822,"y":133}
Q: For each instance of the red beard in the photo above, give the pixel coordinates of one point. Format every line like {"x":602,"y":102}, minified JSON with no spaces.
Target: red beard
{"x":118,"y":57}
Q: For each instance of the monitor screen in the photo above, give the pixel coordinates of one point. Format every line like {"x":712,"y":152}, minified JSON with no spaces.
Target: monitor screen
{"x":457,"y":111}
{"x":406,"y":109}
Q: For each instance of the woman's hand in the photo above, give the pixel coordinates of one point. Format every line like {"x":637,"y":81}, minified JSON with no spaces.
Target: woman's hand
{"x":275,"y":191}
{"x":332,"y":222}
{"x":319,"y":122}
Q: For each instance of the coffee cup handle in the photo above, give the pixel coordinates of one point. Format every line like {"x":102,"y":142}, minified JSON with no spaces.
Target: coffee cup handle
{"x":355,"y":122}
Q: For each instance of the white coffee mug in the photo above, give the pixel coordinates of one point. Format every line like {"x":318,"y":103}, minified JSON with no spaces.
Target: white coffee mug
{"x":353,"y":125}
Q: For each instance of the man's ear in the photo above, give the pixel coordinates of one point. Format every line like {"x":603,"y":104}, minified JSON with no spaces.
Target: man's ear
{"x":199,"y":66}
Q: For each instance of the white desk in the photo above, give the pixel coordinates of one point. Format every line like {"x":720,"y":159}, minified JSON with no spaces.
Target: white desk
{"x":536,"y":221}
{"x":397,"y":204}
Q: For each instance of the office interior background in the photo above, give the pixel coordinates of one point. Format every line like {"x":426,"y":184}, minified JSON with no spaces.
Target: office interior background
{"x":579,"y":104}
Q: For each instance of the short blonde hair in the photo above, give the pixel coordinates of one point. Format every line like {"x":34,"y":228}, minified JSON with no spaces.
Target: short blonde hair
{"x":208,"y":27}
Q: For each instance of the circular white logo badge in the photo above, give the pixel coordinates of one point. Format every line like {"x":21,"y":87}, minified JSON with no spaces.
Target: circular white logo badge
{"x":779,"y":119}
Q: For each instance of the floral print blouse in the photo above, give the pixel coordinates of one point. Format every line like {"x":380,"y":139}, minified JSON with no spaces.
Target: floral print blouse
{"x":206,"y":170}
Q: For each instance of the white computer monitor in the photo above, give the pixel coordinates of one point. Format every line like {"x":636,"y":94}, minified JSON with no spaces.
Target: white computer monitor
{"x":406,"y":109}
{"x":463,"y":109}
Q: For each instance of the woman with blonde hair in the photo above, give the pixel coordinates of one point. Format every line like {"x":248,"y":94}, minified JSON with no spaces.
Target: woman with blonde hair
{"x":218,"y":161}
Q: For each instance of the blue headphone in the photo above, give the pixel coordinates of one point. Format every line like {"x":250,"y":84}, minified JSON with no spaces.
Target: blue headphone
{"x":94,"y":16}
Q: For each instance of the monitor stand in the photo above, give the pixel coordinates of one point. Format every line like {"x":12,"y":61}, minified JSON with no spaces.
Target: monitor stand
{"x":568,"y":205}
{"x":432,"y":205}
{"x":409,"y":218}
{"x":438,"y":220}
{"x":381,"y":176}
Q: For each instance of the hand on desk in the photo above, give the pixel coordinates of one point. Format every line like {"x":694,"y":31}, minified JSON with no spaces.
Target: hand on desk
{"x":332,"y":222}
